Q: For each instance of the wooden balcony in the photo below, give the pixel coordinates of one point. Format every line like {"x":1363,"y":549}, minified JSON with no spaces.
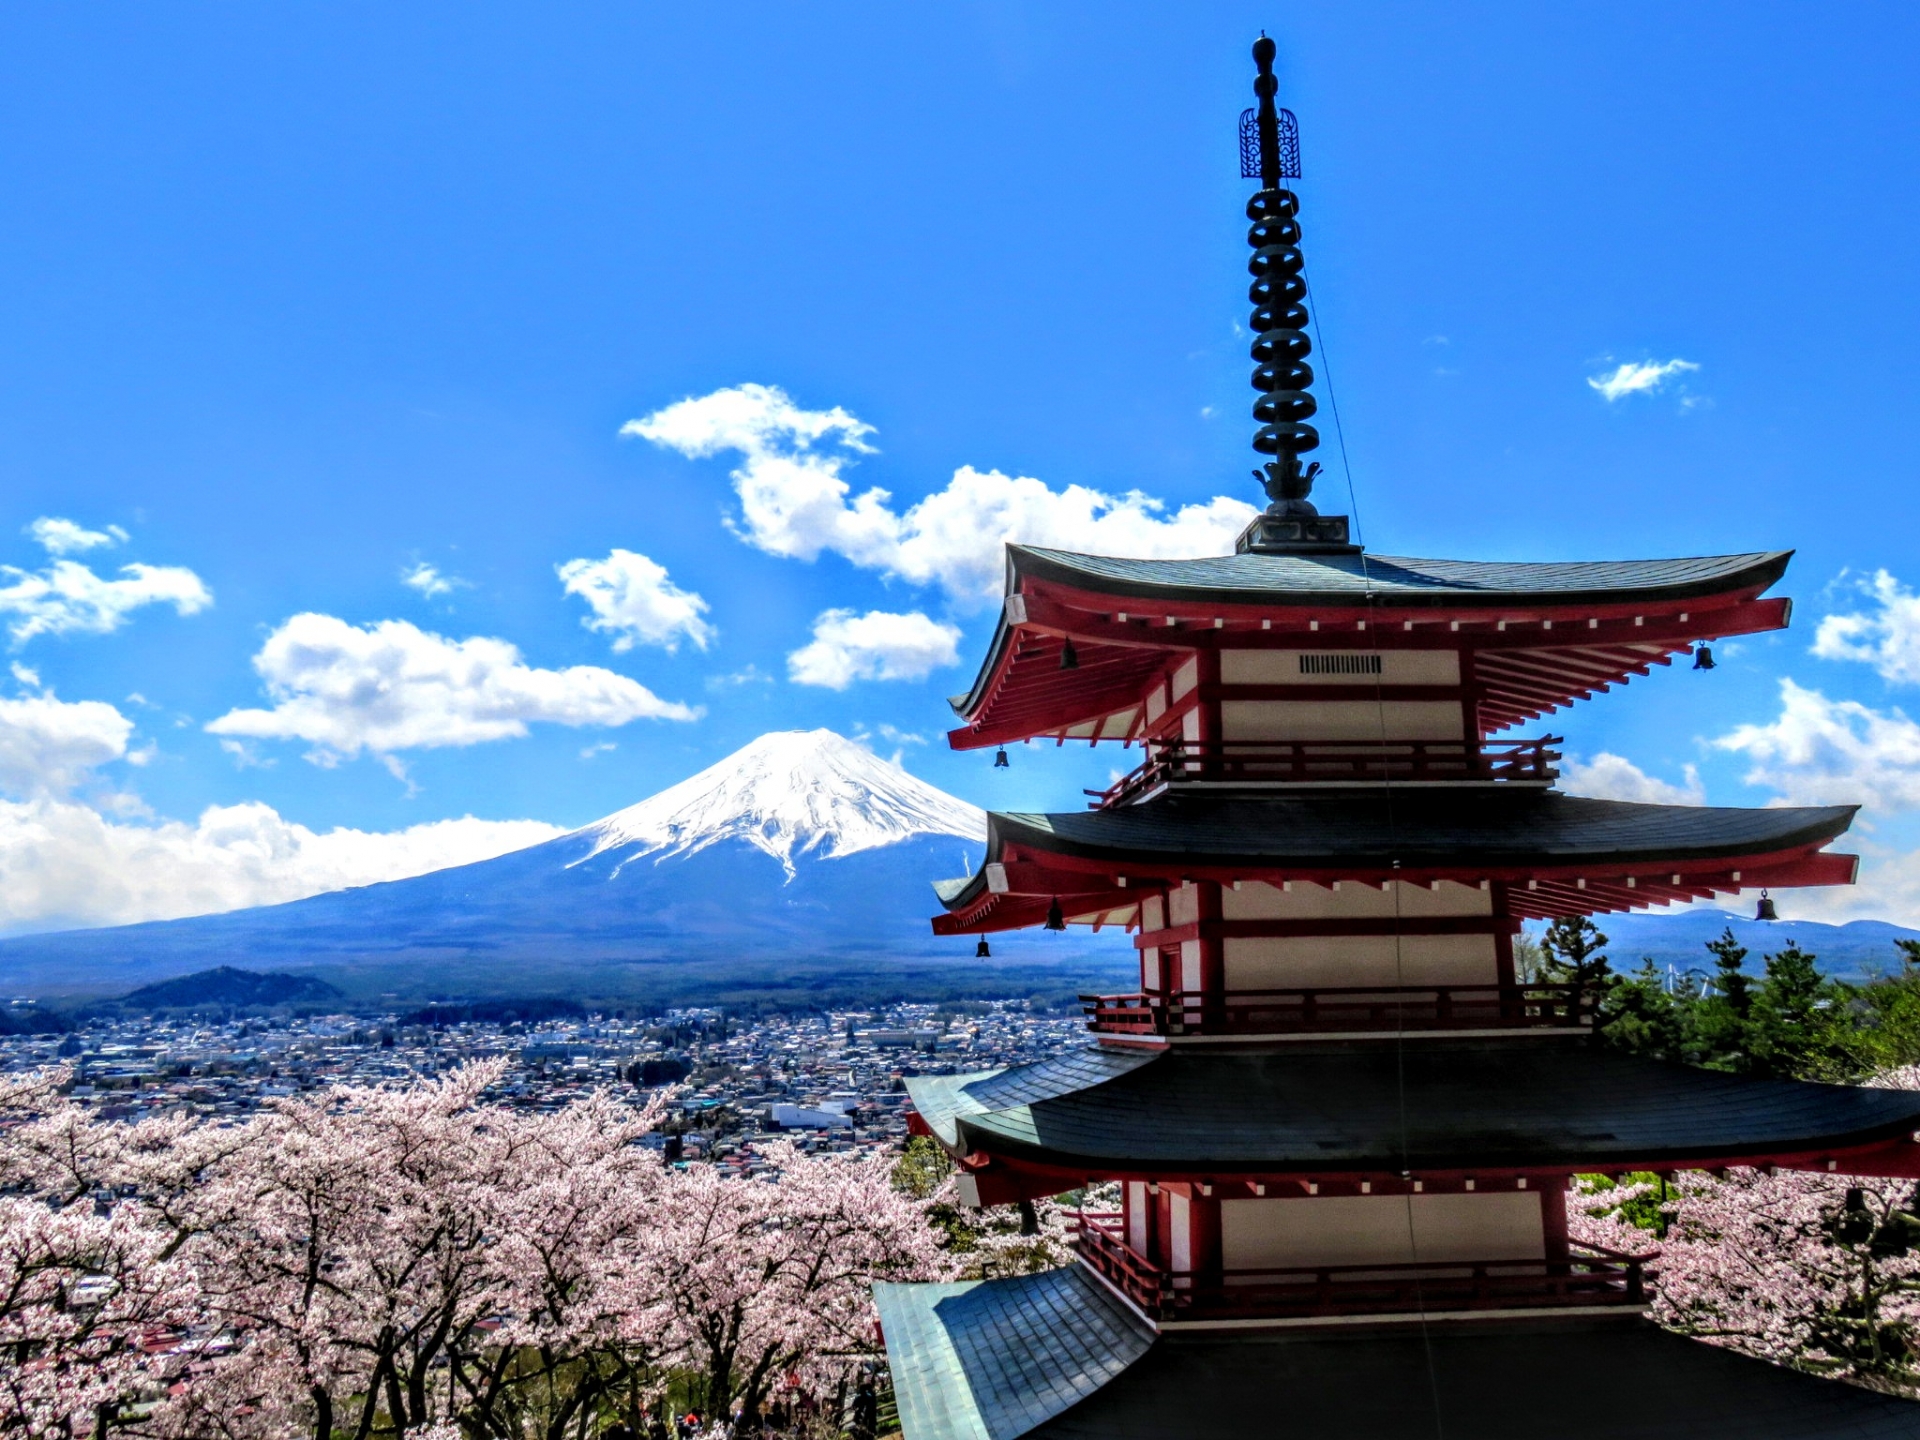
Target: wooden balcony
{"x":1261,"y":762}
{"x":1340,"y":1010}
{"x":1589,"y":1276}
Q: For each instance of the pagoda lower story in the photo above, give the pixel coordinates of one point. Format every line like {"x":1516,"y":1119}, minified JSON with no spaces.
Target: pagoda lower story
{"x":1059,"y":1356}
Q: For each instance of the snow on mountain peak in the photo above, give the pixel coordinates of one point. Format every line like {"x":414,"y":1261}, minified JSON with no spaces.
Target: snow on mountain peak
{"x":805,"y":792}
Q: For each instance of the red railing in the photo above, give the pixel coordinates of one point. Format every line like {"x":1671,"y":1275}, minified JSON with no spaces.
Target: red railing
{"x":1589,"y":1275}
{"x":1342,"y":1008}
{"x":1174,"y":762}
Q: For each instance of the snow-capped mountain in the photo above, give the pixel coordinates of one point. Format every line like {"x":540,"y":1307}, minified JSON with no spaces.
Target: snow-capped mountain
{"x":802,"y":852}
{"x":804,"y":792}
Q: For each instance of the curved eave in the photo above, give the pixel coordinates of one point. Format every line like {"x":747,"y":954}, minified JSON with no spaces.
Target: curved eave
{"x":1435,"y":1108}
{"x":1557,"y":854}
{"x":1615,"y":620}
{"x":1319,"y":581}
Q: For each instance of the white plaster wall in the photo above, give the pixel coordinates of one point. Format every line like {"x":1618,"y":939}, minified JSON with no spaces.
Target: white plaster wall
{"x":1139,"y":1217}
{"x":1186,"y":677}
{"x":1183,"y":905}
{"x":1282,"y":667}
{"x":1190,"y":965}
{"x":1256,"y":900}
{"x":1150,"y":976}
{"x":1153,"y":913}
{"x":1275,"y":963}
{"x":1342,"y":720}
{"x":1381,"y":1229}
{"x":1180,"y":1232}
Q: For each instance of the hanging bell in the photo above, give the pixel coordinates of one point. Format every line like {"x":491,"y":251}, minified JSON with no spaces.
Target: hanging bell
{"x":982,"y":951}
{"x":1766,"y":910}
{"x":1056,"y":918}
{"x":1703,"y":659}
{"x":1000,"y":761}
{"x":1069,"y":657}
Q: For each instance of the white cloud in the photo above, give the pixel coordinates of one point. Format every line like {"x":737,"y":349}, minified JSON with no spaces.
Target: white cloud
{"x":1820,"y":751}
{"x":66,"y":864}
{"x":47,"y":746}
{"x":795,"y":503}
{"x":64,"y":537}
{"x":392,"y":686}
{"x":1644,"y":377}
{"x":428,"y":580}
{"x":1614,"y":777}
{"x":875,"y":646}
{"x":633,"y":600}
{"x":1832,"y":752}
{"x":1887,"y":639}
{"x":67,"y":598}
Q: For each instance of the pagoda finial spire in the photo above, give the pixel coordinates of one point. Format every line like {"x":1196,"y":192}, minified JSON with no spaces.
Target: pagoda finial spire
{"x":1270,"y":152}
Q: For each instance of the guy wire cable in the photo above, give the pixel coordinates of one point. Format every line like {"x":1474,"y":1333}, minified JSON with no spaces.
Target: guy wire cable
{"x":1399,"y":948}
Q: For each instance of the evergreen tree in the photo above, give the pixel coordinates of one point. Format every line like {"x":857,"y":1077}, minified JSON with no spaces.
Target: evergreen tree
{"x":1722,"y":1020}
{"x":1642,"y":1017}
{"x":1790,"y":1033}
{"x":1730,"y":982}
{"x":1575,"y":953}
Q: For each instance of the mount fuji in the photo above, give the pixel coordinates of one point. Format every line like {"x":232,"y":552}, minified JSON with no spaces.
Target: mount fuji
{"x":802,"y":859}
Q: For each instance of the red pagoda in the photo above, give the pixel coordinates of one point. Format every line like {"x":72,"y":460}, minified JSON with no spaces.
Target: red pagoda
{"x":1342,"y":1128}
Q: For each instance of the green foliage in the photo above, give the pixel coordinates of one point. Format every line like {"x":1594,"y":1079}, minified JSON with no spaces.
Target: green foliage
{"x":1575,"y":953}
{"x":922,"y":1168}
{"x":1788,"y":1022}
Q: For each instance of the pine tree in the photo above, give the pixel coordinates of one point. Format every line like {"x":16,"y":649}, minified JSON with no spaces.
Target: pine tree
{"x":1575,"y":953}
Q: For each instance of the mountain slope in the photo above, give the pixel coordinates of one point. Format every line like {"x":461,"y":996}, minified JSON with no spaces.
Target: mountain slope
{"x":810,"y":790}
{"x":801,"y":850}
{"x":1854,"y":950}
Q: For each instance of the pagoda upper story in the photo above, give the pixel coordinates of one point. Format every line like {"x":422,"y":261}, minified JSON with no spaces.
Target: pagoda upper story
{"x":1337,"y":647}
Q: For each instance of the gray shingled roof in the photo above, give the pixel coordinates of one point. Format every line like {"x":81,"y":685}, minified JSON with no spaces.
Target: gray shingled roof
{"x":1572,"y":1380}
{"x":1055,"y":1357}
{"x":1321,"y":1106}
{"x":1343,"y":579}
{"x":989,"y":1360}
{"x":1415,"y":827}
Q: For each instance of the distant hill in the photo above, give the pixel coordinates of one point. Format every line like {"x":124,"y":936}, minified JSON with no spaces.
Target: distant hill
{"x":1851,"y":951}
{"x":794,"y":873}
{"x":224,"y":985}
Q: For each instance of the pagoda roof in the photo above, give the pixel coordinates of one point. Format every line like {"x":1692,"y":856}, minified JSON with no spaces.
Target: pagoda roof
{"x":1398,"y":580}
{"x":1467,"y":833}
{"x":1029,"y":1356}
{"x":1131,"y":619}
{"x":1326,"y":1108}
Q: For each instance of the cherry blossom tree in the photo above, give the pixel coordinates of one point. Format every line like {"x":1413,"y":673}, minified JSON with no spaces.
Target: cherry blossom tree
{"x":769,"y":1283}
{"x":1820,"y":1271}
{"x":417,"y":1261}
{"x":80,"y":1296}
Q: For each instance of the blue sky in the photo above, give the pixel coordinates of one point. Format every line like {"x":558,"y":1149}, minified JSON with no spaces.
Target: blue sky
{"x":303,"y":300}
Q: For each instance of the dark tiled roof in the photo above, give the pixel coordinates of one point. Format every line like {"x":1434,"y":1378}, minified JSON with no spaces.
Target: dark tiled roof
{"x":1617,"y":1380}
{"x":991,"y":1360}
{"x":1452,"y":827}
{"x":1055,"y":1357}
{"x":1344,"y":579}
{"x":1425,"y":1105}
{"x":1418,"y":828}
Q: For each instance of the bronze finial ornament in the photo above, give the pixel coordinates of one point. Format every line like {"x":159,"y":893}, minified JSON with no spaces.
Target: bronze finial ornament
{"x":1270,"y":152}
